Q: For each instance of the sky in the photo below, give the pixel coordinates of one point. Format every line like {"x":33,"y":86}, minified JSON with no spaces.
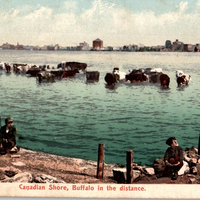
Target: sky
{"x":115,"y":22}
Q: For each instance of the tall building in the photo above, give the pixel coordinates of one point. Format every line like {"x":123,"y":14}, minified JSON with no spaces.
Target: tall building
{"x":177,"y":46}
{"x":97,"y":44}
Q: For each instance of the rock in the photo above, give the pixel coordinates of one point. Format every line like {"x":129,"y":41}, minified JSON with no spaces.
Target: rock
{"x":185,"y":169}
{"x":10,"y":173}
{"x":186,"y":158}
{"x":193,"y":149}
{"x":150,"y":171}
{"x":20,"y":178}
{"x":193,"y":170}
{"x":19,"y":163}
{"x":192,"y":180}
{"x":15,"y":156}
{"x":2,"y":175}
{"x":159,"y":161}
{"x":193,"y":160}
{"x":120,"y":174}
{"x":159,"y":165}
{"x":43,"y":178}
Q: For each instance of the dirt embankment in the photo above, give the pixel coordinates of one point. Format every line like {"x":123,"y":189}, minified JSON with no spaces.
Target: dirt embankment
{"x":39,"y":167}
{"x":69,"y":170}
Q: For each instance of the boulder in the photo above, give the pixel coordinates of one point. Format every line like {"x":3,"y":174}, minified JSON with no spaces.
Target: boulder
{"x":119,"y":174}
{"x":19,"y":164}
{"x":193,"y":170}
{"x":43,"y":178}
{"x":185,"y":169}
{"x":150,"y":171}
{"x":20,"y":178}
{"x":159,"y":165}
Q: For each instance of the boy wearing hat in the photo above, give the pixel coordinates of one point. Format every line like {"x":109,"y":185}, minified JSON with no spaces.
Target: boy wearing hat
{"x":173,"y":158}
{"x":8,"y":135}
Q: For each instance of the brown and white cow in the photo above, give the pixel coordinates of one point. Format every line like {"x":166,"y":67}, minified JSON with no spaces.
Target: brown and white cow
{"x":182,"y":78}
{"x":72,"y":66}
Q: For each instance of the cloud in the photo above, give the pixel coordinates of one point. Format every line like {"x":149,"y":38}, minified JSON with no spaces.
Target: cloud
{"x":40,"y":14}
{"x":70,"y":5}
{"x":105,"y":20}
{"x":182,"y":6}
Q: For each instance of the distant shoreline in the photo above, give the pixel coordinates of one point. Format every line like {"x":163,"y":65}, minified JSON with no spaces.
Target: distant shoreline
{"x":61,"y":50}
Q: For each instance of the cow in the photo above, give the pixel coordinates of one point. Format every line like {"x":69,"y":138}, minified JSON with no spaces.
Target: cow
{"x":33,"y":71}
{"x":182,"y":78}
{"x":17,"y":68}
{"x":45,"y":76}
{"x":64,"y":73}
{"x":22,"y":68}
{"x":57,"y":73}
{"x":2,"y":66}
{"x":122,"y":75}
{"x":152,"y":70}
{"x":8,"y":68}
{"x":69,"y":73}
{"x":111,"y":79}
{"x":154,"y":77}
{"x":153,"y":74}
{"x":92,"y":76}
{"x":72,"y":66}
{"x":164,"y":80}
{"x":136,"y":76}
{"x":5,"y":66}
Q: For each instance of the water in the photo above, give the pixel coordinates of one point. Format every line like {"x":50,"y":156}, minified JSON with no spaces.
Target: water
{"x":71,"y":118}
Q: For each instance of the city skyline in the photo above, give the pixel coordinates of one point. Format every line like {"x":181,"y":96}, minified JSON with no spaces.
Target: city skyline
{"x":116,"y":22}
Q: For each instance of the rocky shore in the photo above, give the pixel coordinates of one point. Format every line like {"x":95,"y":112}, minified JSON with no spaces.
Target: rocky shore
{"x":38,"y":167}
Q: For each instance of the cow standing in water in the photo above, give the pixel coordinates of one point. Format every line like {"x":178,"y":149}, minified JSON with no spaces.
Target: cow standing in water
{"x":72,"y":66}
{"x":8,"y":68}
{"x":122,"y":75}
{"x":137,"y":75}
{"x":182,"y":78}
{"x":164,"y":80}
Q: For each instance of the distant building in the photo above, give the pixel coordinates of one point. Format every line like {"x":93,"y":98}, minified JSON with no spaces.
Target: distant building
{"x":188,"y":47}
{"x":50,"y":47}
{"x":168,"y":44}
{"x":130,"y":47}
{"x":7,"y":46}
{"x":83,"y":46}
{"x":45,"y":47}
{"x":117,"y":48}
{"x":37,"y":47}
{"x":20,"y":46}
{"x":97,"y":44}
{"x":27,"y":47}
{"x":177,"y":46}
{"x":109,"y":48}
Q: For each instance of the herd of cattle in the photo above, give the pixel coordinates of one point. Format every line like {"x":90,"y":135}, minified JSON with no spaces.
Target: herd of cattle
{"x":45,"y":73}
{"x":152,"y":75}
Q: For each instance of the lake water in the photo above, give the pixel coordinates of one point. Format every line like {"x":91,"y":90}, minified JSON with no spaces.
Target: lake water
{"x":71,"y":117}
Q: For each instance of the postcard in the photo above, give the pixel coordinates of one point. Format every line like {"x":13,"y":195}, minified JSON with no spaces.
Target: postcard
{"x":99,"y":99}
